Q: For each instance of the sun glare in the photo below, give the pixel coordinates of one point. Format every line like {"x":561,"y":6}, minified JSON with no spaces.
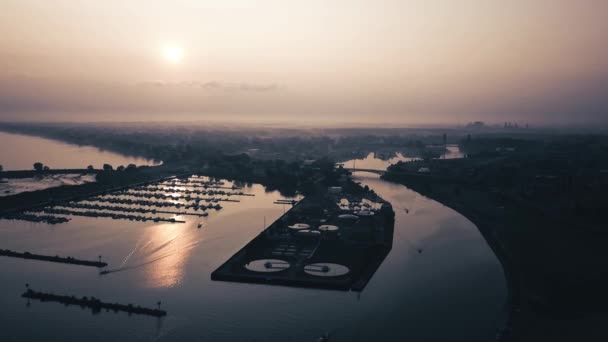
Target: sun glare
{"x":173,"y":53}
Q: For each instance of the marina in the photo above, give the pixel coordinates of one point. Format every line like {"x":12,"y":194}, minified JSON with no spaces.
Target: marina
{"x":133,"y":202}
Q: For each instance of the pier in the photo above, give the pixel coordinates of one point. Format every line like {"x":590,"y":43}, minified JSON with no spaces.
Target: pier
{"x":188,"y":191}
{"x":63,"y":260}
{"x":129,"y":210}
{"x":95,"y":304}
{"x":169,"y":196}
{"x":115,"y":216}
{"x":199,"y":186}
{"x":158,"y":204}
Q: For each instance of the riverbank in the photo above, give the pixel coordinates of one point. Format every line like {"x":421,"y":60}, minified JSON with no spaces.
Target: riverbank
{"x":554,"y":272}
{"x":34,"y":173}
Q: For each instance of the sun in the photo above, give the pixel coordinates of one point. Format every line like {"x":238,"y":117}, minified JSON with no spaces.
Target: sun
{"x":173,"y":53}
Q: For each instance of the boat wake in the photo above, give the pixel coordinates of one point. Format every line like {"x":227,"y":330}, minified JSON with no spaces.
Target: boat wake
{"x":152,"y":251}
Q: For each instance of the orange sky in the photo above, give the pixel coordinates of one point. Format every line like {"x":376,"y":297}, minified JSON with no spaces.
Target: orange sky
{"x":416,"y":61}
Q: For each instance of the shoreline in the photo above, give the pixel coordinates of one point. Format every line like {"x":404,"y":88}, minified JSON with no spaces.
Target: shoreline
{"x":512,"y":276}
{"x":553,"y":270}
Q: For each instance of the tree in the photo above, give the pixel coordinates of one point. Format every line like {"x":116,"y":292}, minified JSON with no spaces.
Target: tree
{"x":131,"y":167}
{"x":107,"y":167}
{"x":38,"y":166}
{"x":120,"y":168}
{"x":90,"y":168}
{"x":1,"y":169}
{"x":46,"y":168}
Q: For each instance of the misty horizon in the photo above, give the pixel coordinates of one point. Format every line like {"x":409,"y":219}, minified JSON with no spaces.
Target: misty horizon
{"x":395,"y":62}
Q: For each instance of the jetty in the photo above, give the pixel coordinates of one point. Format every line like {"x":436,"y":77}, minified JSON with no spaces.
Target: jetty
{"x":95,"y":304}
{"x":172,"y":197}
{"x":157,"y":204}
{"x":63,"y":260}
{"x":190,"y":185}
{"x":129,"y":210}
{"x":115,"y":216}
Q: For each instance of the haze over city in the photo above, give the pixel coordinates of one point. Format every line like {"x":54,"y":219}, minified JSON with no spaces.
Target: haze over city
{"x":306,"y":171}
{"x":407,"y":62}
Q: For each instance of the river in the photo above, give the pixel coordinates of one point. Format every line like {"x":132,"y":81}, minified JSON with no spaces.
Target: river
{"x":454,"y":290}
{"x":371,"y":161}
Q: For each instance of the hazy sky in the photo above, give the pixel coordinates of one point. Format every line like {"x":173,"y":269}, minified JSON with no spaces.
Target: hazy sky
{"x":406,"y":61}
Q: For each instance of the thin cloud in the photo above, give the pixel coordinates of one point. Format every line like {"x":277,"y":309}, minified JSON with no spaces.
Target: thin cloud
{"x":215,"y":85}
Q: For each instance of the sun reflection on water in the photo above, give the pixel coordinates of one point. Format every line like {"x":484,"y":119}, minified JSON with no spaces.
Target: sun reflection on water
{"x":170,"y":247}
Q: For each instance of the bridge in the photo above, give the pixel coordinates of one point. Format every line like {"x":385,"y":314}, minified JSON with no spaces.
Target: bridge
{"x":379,"y":172}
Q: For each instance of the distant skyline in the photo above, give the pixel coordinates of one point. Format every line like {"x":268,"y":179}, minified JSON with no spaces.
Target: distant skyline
{"x":389,"y":61}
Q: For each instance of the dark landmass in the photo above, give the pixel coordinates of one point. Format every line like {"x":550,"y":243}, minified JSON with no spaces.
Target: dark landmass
{"x":64,"y":260}
{"x":275,"y":175}
{"x":170,"y":142}
{"x":537,"y":197}
{"x":95,"y":304}
{"x":540,"y":204}
{"x":356,"y":242}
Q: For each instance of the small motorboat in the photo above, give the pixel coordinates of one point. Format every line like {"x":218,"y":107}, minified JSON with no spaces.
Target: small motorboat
{"x":323,"y":338}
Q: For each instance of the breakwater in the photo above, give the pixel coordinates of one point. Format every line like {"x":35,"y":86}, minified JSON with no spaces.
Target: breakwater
{"x":95,"y":304}
{"x":64,"y":260}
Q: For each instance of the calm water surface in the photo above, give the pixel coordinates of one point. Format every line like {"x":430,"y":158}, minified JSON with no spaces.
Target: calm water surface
{"x":371,"y":162}
{"x":20,"y":152}
{"x":453,"y":291}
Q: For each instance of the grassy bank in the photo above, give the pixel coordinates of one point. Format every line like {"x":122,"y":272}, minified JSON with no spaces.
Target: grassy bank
{"x":555,"y":272}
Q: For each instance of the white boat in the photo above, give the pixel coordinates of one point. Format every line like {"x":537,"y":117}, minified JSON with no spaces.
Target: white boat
{"x":323,"y":338}
{"x":299,"y":226}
